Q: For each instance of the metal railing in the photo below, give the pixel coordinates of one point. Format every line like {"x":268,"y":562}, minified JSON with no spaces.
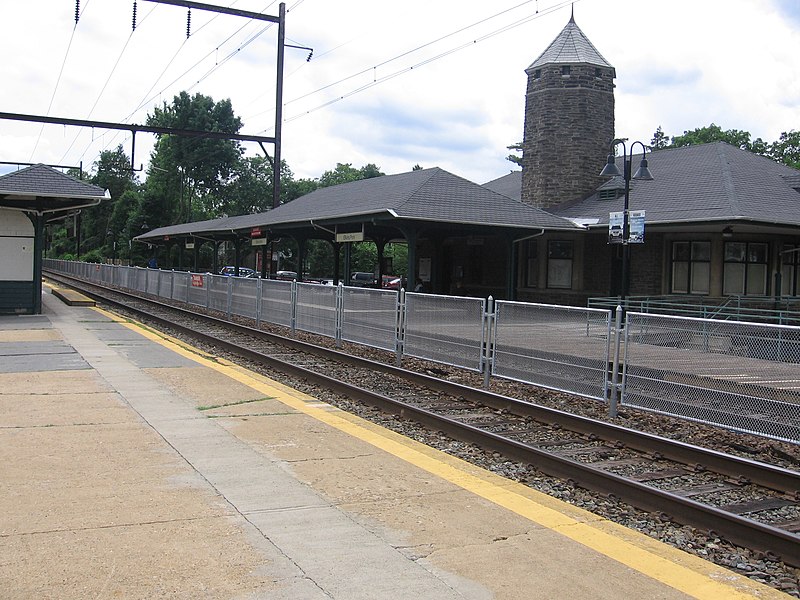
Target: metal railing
{"x":784,"y":310}
{"x":740,"y":375}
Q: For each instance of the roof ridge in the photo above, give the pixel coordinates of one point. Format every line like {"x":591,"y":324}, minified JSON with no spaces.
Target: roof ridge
{"x":433,"y":171}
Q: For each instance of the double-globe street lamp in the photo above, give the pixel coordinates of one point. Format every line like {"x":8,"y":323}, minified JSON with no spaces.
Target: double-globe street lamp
{"x":642,"y":173}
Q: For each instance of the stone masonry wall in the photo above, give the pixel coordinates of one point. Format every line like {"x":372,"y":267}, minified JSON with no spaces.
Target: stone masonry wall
{"x":569,"y":125}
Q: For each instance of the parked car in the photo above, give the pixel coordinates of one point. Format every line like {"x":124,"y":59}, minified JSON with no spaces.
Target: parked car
{"x":286,"y":275}
{"x":360,"y":279}
{"x":392,"y":282}
{"x":243,"y":271}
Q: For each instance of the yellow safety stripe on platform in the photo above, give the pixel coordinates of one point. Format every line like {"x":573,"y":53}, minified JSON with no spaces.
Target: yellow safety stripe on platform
{"x":685,"y":572}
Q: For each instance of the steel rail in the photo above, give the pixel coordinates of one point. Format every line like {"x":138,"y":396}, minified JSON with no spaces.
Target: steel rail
{"x":738,"y":529}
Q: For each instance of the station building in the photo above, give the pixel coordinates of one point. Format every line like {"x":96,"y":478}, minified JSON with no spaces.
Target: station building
{"x":29,"y":199}
{"x":719,"y":221}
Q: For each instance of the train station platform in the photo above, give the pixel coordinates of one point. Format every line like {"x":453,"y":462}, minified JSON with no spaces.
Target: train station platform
{"x":135,"y":466}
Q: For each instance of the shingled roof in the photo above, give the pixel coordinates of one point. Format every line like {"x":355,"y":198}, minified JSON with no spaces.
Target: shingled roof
{"x":40,"y":188}
{"x":426,"y":195}
{"x":707,"y":182}
{"x":571,"y":46}
{"x":509,"y":185}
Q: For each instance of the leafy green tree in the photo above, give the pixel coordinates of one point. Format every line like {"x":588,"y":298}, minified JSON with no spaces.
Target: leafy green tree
{"x":107,"y":220}
{"x":714,"y":133}
{"x":660,"y":139}
{"x":514,"y":158}
{"x":787,"y":149}
{"x":194,"y":172}
{"x":345,"y":173}
{"x":294,"y":188}
{"x":250,"y":191}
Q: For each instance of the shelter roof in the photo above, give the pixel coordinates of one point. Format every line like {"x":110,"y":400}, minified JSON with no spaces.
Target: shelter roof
{"x":571,"y":46}
{"x":426,"y":195}
{"x":42,"y":189}
{"x":707,"y":182}
{"x":509,"y":185}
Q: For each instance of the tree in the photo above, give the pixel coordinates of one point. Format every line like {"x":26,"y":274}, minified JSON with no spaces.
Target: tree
{"x":517,"y":160}
{"x":714,"y":133}
{"x":787,"y":149}
{"x":345,"y":173}
{"x":107,"y":220}
{"x":194,"y":172}
{"x":250,"y":191}
{"x":294,"y":188}
{"x":660,"y":139}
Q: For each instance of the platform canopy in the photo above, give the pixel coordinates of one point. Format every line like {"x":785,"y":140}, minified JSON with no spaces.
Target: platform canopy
{"x":423,"y":199}
{"x":43,"y":194}
{"x":41,"y":190}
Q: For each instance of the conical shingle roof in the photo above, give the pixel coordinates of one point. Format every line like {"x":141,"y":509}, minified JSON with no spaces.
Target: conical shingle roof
{"x":571,"y":46}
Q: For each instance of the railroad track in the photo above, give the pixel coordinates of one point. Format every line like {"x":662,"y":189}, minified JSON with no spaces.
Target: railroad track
{"x":749,"y":503}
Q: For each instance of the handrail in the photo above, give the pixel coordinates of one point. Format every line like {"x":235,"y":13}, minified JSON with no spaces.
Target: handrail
{"x":736,"y":308}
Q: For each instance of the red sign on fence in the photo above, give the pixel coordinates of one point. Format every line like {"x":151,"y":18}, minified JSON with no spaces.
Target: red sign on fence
{"x":197,"y":280}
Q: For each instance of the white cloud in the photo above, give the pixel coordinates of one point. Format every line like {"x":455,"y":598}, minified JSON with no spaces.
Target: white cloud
{"x":680,"y":64}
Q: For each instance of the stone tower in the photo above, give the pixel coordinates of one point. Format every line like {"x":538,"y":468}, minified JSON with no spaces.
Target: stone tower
{"x":569,"y":120}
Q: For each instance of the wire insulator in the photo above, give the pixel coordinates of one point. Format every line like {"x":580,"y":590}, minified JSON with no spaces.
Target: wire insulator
{"x":134,"y":16}
{"x":188,"y":23}
{"x":77,"y":10}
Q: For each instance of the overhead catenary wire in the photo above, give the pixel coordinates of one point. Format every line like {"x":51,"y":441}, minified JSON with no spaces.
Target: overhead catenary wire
{"x":147,"y":98}
{"x":78,"y":13}
{"x":378,"y":80}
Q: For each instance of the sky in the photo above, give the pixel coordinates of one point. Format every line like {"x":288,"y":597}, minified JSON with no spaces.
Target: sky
{"x":438,"y":83}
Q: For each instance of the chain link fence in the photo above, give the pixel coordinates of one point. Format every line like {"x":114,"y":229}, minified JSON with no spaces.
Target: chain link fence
{"x":558,"y":347}
{"x":316,"y":309}
{"x":370,"y":317}
{"x":742,"y":376}
{"x":446,"y":329}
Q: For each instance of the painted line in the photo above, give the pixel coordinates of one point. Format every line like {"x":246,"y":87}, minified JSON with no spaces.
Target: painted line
{"x":680,"y":570}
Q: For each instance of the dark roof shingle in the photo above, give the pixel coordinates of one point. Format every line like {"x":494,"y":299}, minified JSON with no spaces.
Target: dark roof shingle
{"x":571,"y":46}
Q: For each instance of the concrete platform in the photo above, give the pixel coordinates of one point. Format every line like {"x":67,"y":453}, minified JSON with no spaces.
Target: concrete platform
{"x":72,"y":297}
{"x":135,"y":466}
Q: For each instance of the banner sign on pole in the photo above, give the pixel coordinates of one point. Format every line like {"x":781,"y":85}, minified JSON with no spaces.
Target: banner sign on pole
{"x":615,"y":224}
{"x":636,"y":218}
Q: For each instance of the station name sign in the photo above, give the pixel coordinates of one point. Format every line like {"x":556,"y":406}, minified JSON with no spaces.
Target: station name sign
{"x":350,"y":236}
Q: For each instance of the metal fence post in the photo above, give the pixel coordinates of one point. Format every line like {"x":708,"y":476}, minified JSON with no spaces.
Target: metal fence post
{"x":293,"y":305}
{"x":259,"y":291}
{"x":488,"y":345}
{"x":339,"y":314}
{"x":229,"y":303}
{"x":400,"y":317}
{"x":613,"y":402}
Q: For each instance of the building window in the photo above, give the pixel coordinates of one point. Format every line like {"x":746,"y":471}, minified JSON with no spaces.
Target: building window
{"x":691,"y":267}
{"x":565,"y":70}
{"x":597,"y":72}
{"x":537,"y":74}
{"x":745,"y":269}
{"x":559,"y":264}
{"x":532,"y":263}
{"x":790,"y":269}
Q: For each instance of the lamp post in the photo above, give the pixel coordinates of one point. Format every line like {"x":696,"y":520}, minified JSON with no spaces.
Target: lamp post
{"x":642,"y":173}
